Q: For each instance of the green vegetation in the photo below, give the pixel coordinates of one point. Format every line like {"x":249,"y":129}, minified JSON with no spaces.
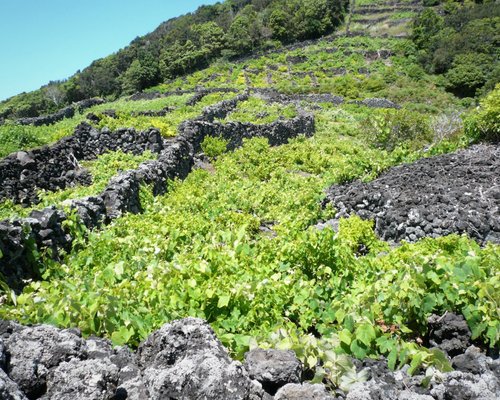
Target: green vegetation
{"x":391,"y":128}
{"x":484,"y":122}
{"x":235,"y":244}
{"x":462,"y":45}
{"x":399,"y":78}
{"x":258,"y":111}
{"x":166,"y":125}
{"x":214,"y":146}
{"x":199,"y":251}
{"x":102,"y":170}
{"x":15,"y":137}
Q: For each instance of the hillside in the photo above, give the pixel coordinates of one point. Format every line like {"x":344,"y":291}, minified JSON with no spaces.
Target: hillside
{"x":336,"y":196}
{"x":178,"y":46}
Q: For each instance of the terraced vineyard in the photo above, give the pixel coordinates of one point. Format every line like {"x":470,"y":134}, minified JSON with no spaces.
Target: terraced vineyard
{"x":279,"y":199}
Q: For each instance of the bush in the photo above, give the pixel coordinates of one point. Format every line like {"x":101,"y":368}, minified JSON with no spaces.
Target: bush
{"x":483,"y":124}
{"x":469,"y":72}
{"x":392,"y":128}
{"x":214,"y":146}
{"x":15,"y":137}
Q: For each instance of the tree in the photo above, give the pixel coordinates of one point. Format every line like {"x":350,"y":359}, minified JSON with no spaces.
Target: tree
{"x":54,"y":93}
{"x":179,"y":59}
{"x":138,"y":76}
{"x":280,"y":25}
{"x":100,"y":79}
{"x":312,"y":19}
{"x":72,"y":90}
{"x":238,"y":36}
{"x":210,"y":39}
{"x":469,"y":72}
{"x":425,"y":26}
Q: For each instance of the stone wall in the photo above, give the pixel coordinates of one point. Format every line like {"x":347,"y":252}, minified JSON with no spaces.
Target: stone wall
{"x":277,"y":132}
{"x":56,"y":167}
{"x":274,"y":96}
{"x":198,"y":94}
{"x":44,"y":229}
{"x":437,"y":196}
{"x":184,"y":359}
{"x":66,"y":112}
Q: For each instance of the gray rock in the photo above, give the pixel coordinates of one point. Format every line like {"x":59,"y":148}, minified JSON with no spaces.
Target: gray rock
{"x":134,"y":388}
{"x":273,"y":368}
{"x":35,"y":351}
{"x":9,"y":389}
{"x":459,"y":385}
{"x":305,"y":391}
{"x":449,"y":333}
{"x":448,"y":190}
{"x":185,"y":360}
{"x":82,"y":380}
{"x":130,"y":379}
{"x":471,"y":361}
{"x":25,"y":159}
{"x":257,"y":392}
{"x":372,"y":390}
{"x":3,"y":356}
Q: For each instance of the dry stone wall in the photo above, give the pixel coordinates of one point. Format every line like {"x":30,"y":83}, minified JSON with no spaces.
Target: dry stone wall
{"x":185,"y":360}
{"x":44,"y":229}
{"x":274,"y":96}
{"x":56,"y":167}
{"x":66,"y":112}
{"x":437,"y":196}
{"x":198,"y":94}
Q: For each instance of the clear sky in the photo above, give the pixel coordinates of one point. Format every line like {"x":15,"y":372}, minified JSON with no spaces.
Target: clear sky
{"x":44,"y":40}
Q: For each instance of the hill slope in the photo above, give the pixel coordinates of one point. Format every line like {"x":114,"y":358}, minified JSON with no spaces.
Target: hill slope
{"x":206,"y":196}
{"x":190,"y":42}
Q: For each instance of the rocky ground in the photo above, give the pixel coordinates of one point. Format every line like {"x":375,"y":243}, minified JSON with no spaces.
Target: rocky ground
{"x":185,"y":360}
{"x":437,"y":196}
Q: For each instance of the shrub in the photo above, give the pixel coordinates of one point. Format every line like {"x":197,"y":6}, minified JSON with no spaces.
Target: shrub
{"x":214,"y":146}
{"x":15,"y":137}
{"x":469,"y":72}
{"x":483,"y":124}
{"x":390,"y":128}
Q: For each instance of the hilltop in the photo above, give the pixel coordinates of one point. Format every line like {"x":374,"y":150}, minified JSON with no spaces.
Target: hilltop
{"x":316,"y":219}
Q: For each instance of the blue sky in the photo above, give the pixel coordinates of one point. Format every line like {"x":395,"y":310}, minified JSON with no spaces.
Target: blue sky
{"x":44,"y":40}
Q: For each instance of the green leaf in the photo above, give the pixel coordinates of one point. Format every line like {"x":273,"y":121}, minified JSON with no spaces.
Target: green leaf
{"x":122,"y":336}
{"x":119,"y":269}
{"x":345,"y":336}
{"x":440,"y":361}
{"x":223,"y":301}
{"x":311,"y":361}
{"x":366,"y":333}
{"x":385,"y":344}
{"x":340,"y":315}
{"x":416,"y":362}
{"x":493,"y":334}
{"x":392,"y":358}
{"x":434,"y":277}
{"x":478,"y":329}
{"x":428,"y":303}
{"x":349,"y":323}
{"x":358,"y":350}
